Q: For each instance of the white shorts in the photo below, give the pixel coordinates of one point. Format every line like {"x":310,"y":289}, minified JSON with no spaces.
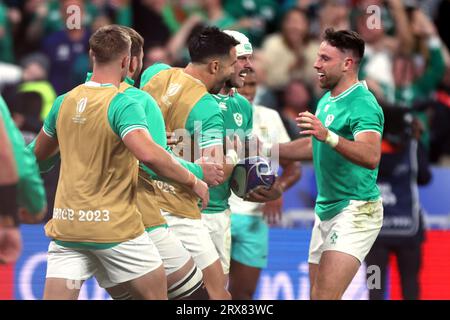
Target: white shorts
{"x":352,"y":231}
{"x":194,"y":236}
{"x":121,"y":263}
{"x":219,"y":226}
{"x":170,"y":248}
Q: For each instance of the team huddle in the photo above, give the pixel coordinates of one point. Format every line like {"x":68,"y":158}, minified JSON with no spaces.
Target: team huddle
{"x":144,"y":201}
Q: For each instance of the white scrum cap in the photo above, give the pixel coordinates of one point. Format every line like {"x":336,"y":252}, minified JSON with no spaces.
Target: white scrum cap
{"x":244,"y":47}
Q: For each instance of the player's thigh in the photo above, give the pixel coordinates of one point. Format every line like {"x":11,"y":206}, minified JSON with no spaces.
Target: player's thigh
{"x":176,"y":259}
{"x":130,"y":259}
{"x":149,"y":286}
{"x":250,"y":237}
{"x":195,"y":237}
{"x":67,"y":269}
{"x":347,"y":239}
{"x":219,"y":226}
{"x":315,"y":244}
{"x":243,"y":280}
{"x":354,"y":230}
{"x":215,"y":281}
{"x":335,"y":272}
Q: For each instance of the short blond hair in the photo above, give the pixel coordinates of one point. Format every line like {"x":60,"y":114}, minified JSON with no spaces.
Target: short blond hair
{"x":137,"y":41}
{"x":108,"y":43}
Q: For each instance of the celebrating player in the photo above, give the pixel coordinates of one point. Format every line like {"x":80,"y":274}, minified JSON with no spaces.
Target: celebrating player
{"x":186,"y":103}
{"x":99,"y":133}
{"x":345,"y":145}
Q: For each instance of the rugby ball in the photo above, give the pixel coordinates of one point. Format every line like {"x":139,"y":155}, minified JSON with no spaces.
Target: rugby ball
{"x":251,"y":173}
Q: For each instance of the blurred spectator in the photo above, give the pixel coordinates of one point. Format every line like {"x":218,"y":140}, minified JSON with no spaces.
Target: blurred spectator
{"x":156,"y":54}
{"x":256,"y":17}
{"x":10,"y":74}
{"x":440,"y":128}
{"x":403,"y":166}
{"x":67,"y":51}
{"x":264,"y":95}
{"x":289,"y":53}
{"x":307,"y":5}
{"x":32,"y":98}
{"x":217,"y":16}
{"x":297,"y":98}
{"x":413,"y":89}
{"x":332,"y":14}
{"x":6,"y":43}
{"x":442,"y":21}
{"x":150,"y":19}
{"x":51,"y":16}
{"x":380,"y":49}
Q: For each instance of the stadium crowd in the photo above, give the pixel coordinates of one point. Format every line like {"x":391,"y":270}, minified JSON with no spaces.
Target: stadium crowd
{"x":44,"y":48}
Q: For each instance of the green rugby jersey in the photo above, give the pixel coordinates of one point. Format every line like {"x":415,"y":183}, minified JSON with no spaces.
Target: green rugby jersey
{"x":190,"y":111}
{"x":157,"y":128}
{"x":204,"y":111}
{"x":338,"y":180}
{"x":30,"y":192}
{"x":238,"y":119}
{"x":124,"y":116}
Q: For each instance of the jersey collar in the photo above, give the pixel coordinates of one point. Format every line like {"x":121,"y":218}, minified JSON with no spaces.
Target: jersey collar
{"x":346,"y":92}
{"x":129,"y":81}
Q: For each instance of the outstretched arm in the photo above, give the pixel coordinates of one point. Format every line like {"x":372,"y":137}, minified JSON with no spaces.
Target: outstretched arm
{"x":299,"y":149}
{"x":141,"y":144}
{"x":364,"y":151}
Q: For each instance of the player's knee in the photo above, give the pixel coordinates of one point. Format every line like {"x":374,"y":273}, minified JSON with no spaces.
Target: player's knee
{"x":191,"y":282}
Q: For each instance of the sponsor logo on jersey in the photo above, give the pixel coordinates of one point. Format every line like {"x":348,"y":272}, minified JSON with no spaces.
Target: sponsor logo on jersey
{"x":238,"y":119}
{"x":171,"y":91}
{"x":81,"y":106}
{"x":329,"y":120}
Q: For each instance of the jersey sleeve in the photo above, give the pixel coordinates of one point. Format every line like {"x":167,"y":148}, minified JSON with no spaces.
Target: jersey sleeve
{"x":206,"y":121}
{"x":151,"y":71}
{"x":31,"y":193}
{"x":192,"y":167}
{"x":126,"y":115}
{"x":366,"y":115}
{"x":49,"y":127}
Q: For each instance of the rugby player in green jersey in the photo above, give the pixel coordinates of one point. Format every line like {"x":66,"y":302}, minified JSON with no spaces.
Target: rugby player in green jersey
{"x":184,"y":278}
{"x":189,"y":110}
{"x":96,"y":225}
{"x":237,"y":122}
{"x":10,"y":239}
{"x":23,"y":201}
{"x":345,"y":145}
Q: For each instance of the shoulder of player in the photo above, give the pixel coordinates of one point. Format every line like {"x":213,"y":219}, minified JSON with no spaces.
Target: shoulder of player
{"x":139,"y":95}
{"x":122,"y":100}
{"x":241,"y":99}
{"x":209,"y":102}
{"x":152,"y":71}
{"x":61,"y":97}
{"x":363,"y":96}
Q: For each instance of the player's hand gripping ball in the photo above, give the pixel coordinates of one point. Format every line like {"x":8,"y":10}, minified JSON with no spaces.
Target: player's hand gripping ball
{"x":251,"y":173}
